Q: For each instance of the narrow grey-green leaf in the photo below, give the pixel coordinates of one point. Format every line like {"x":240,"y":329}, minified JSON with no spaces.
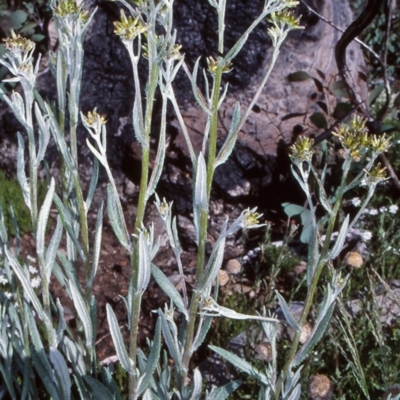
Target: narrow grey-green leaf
{"x":21,"y":171}
{"x":97,"y":389}
{"x":123,"y":357}
{"x":44,"y":135}
{"x":152,"y":360}
{"x":286,"y":312}
{"x":240,"y":363}
{"x":97,"y":245}
{"x":230,"y":140}
{"x":60,"y":140}
{"x":144,"y":267}
{"x":315,"y":337}
{"x":197,"y":384}
{"x":204,"y":327}
{"x":116,"y":219}
{"x":223,"y":392}
{"x":75,"y":356}
{"x":172,"y":342}
{"x":3,"y":229}
{"x":51,"y":251}
{"x":29,"y":292}
{"x":83,"y":313}
{"x":197,"y":94}
{"x":137,"y":118}
{"x":61,"y":373}
{"x":213,"y":265}
{"x":93,"y":182}
{"x":62,"y":325}
{"x":110,"y":383}
{"x":337,"y":248}
{"x":167,"y":286}
{"x":39,"y":357}
{"x":200,"y":193}
{"x":160,"y":156}
{"x":68,"y":224}
{"x":43,"y":218}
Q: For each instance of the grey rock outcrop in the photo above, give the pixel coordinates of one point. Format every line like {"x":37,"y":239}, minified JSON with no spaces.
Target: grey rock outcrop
{"x":253,"y":169}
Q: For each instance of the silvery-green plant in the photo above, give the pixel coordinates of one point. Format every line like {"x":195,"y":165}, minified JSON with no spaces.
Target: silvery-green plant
{"x":62,"y":358}
{"x":356,"y":144}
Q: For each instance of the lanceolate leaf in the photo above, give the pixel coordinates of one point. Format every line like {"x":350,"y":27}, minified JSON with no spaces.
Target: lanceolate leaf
{"x":67,"y":222}
{"x":144,"y":268}
{"x":44,"y":135}
{"x":97,"y":389}
{"x":29,"y":292}
{"x":39,"y":357}
{"x":152,"y":360}
{"x":21,"y":171}
{"x":51,"y":251}
{"x":337,"y":248}
{"x":197,"y":383}
{"x":171,"y":341}
{"x":230,"y":140}
{"x":195,"y":90}
{"x":83,"y":313}
{"x":93,"y":183}
{"x":159,"y":161}
{"x":123,"y":357}
{"x":213,"y":264}
{"x":223,"y":392}
{"x":200,"y":193}
{"x":42,"y":220}
{"x":97,"y":245}
{"x":116,"y":219}
{"x":167,"y":286}
{"x":61,"y":373}
{"x":286,"y":313}
{"x":241,"y":364}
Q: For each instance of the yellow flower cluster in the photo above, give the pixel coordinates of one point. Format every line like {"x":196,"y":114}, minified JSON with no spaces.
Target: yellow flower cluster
{"x":18,"y":44}
{"x":355,"y":139}
{"x":302,"y":150}
{"x":128,"y":28}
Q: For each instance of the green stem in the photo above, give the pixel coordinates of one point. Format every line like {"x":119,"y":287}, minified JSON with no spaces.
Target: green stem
{"x":136,"y":298}
{"x":194,"y":302}
{"x":136,"y":305}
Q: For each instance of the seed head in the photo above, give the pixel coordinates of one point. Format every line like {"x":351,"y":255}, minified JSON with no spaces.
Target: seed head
{"x":320,"y":387}
{"x":354,"y":259}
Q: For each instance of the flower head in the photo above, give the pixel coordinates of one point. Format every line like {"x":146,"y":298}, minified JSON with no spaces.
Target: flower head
{"x":214,"y":64}
{"x":93,"y":119}
{"x":285,"y":19}
{"x":18,"y":44}
{"x":393,"y":208}
{"x":35,"y":282}
{"x":355,"y":201}
{"x":250,"y":218}
{"x":376,"y":175}
{"x":128,"y":28}
{"x":66,"y":8}
{"x":302,"y":150}
{"x":380,"y":143}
